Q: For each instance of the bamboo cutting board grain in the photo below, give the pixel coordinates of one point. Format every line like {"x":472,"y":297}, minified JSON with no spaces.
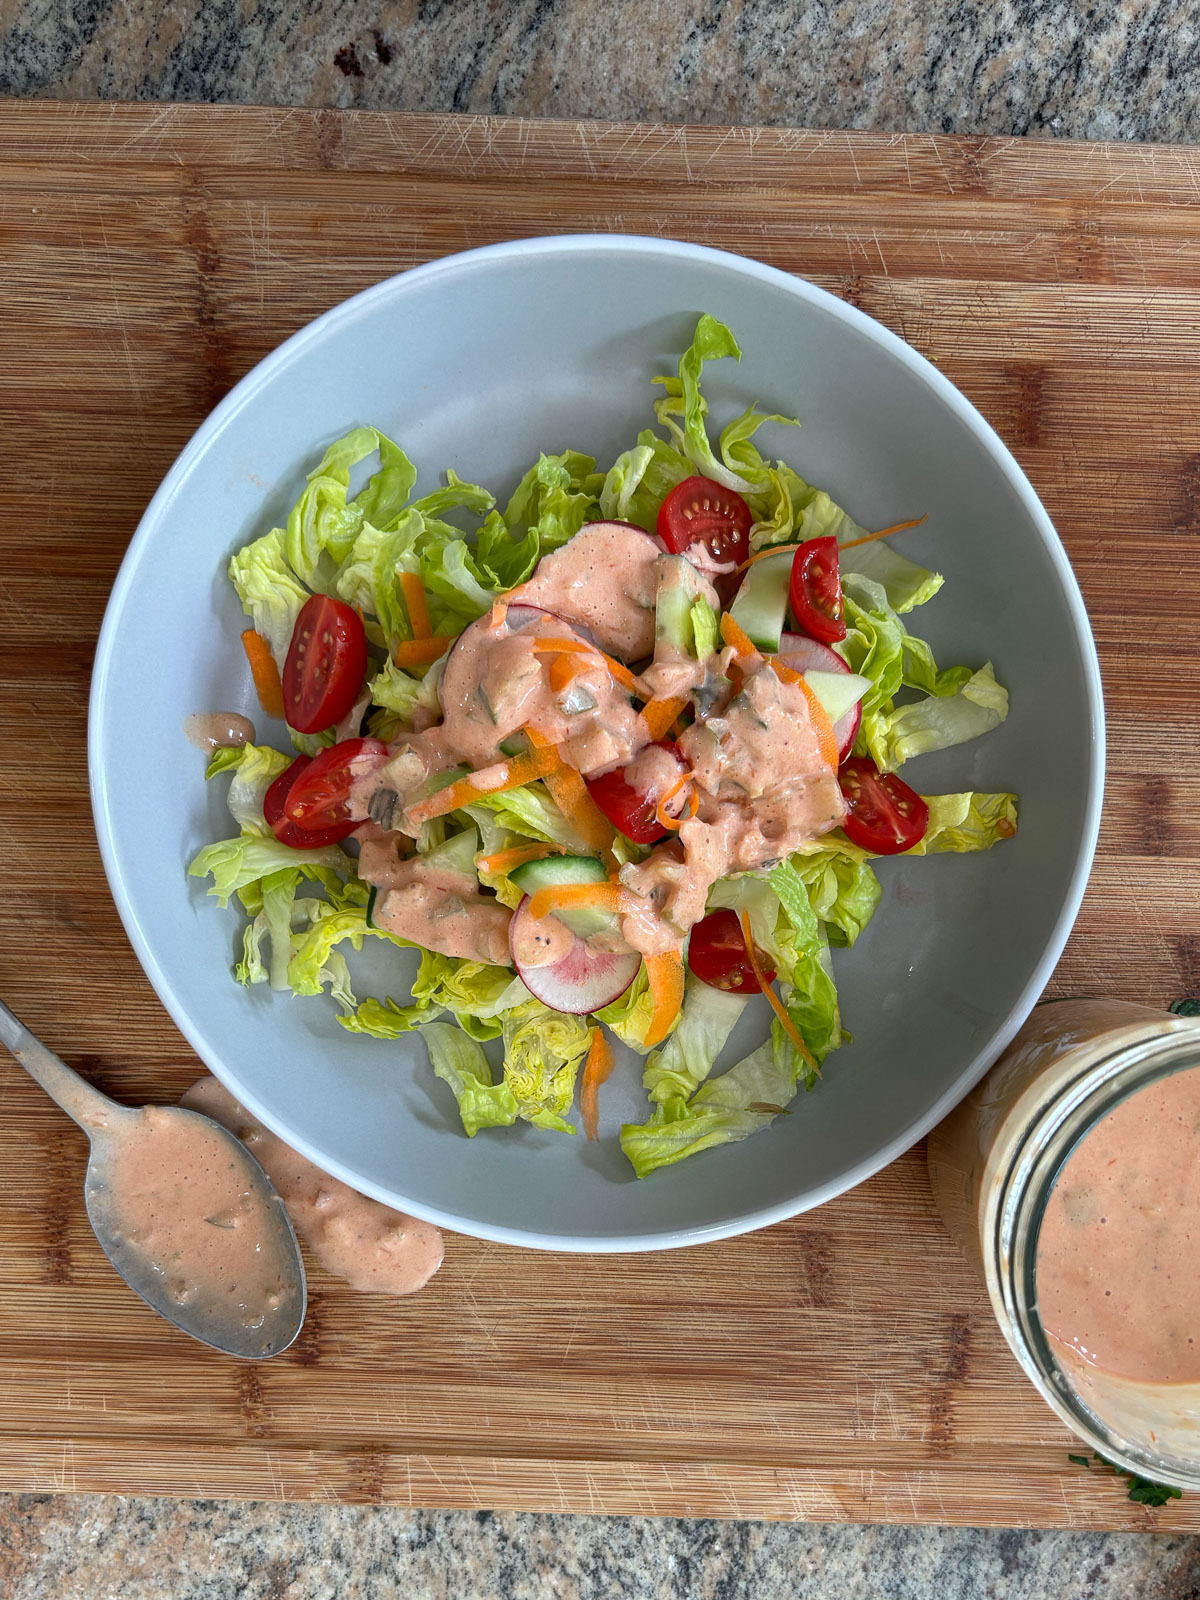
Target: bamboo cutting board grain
{"x":844,"y":1365}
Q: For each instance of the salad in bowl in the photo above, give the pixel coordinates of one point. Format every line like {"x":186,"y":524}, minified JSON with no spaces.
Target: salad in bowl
{"x":615,"y":758}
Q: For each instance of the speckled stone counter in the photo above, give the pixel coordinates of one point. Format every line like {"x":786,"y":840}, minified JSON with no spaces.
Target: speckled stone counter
{"x":82,"y":1548}
{"x":1124,"y":69}
{"x":1113,"y":69}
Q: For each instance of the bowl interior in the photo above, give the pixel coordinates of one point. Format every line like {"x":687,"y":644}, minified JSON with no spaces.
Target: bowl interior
{"x":477,"y":363}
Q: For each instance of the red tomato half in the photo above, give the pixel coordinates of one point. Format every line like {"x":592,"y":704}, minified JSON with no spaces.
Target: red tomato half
{"x":326,"y":663}
{"x":817,"y":590}
{"x":289,"y":832}
{"x":629,"y":809}
{"x":883,"y":814}
{"x":717,"y":954}
{"x":319,"y":795}
{"x":699,"y":511}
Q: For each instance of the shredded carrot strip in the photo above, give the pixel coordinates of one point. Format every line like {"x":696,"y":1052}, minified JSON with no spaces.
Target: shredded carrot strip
{"x":505,"y":860}
{"x":598,"y":1066}
{"x":660,"y":714}
{"x":562,"y":669}
{"x":622,"y":674}
{"x":418,"y":606}
{"x":778,"y":549}
{"x":664,"y":818}
{"x":664,"y":973}
{"x":736,"y":636}
{"x":421,"y":652}
{"x":570,"y":795}
{"x":499,"y":612}
{"x":571,"y":896}
{"x":267,"y":683}
{"x":760,"y":555}
{"x":776,"y":1004}
{"x":896,"y":527}
{"x":822,"y":727}
{"x":518,"y":771}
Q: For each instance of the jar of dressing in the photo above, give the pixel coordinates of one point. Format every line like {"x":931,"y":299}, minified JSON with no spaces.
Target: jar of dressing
{"x":1071,"y":1176}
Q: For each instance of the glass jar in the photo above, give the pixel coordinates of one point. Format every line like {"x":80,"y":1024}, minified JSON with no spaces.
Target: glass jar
{"x":993,"y":1163}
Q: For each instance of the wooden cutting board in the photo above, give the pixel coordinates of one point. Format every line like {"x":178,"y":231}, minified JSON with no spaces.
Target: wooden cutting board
{"x":844,"y":1365}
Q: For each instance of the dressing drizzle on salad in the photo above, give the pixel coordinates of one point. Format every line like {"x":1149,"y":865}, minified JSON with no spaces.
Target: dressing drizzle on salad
{"x":587,"y":762}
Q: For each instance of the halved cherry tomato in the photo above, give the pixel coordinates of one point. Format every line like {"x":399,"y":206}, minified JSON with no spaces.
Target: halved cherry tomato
{"x":326,"y":663}
{"x":816,"y":590}
{"x":700,"y":511}
{"x":631,"y":810}
{"x":319,"y":794}
{"x":717,"y":955}
{"x":883,"y":814}
{"x":289,"y":832}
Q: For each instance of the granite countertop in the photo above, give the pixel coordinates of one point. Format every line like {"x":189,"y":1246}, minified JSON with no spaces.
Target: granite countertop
{"x":1117,"y":69}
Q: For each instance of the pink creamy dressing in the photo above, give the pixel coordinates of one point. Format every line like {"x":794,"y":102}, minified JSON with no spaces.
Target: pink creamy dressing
{"x":216,"y":730}
{"x":1116,"y":1260}
{"x":762,"y":786}
{"x":177,"y":1196}
{"x":373,"y":1248}
{"x":605,"y":579}
{"x":441,"y":910}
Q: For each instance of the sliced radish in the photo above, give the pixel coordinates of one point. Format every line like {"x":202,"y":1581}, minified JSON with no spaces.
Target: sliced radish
{"x":802,"y":654}
{"x":582,"y":980}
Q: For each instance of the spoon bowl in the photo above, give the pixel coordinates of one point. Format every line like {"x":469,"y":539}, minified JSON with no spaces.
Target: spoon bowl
{"x":183,"y":1211}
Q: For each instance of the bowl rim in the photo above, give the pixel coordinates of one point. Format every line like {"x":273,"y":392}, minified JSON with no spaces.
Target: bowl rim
{"x":242,"y":395}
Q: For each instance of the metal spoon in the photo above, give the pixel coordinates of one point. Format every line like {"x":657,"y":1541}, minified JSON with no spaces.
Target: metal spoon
{"x":254,"y":1318}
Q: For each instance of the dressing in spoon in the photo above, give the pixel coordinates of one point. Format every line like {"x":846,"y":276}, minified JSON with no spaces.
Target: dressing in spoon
{"x":182,"y":1210}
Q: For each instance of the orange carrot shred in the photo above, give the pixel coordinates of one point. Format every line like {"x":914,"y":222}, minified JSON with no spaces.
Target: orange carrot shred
{"x":659,"y":714}
{"x":736,"y":636}
{"x":663,"y":817}
{"x":760,"y":555}
{"x":520,"y":770}
{"x":596,"y":1069}
{"x":822,"y":727}
{"x":267,"y":684}
{"x":418,"y":606}
{"x":621,"y":673}
{"x":570,"y":794}
{"x":776,"y":1004}
{"x":571,"y":896}
{"x":664,"y":973}
{"x":501,"y":861}
{"x":421,"y":652}
{"x":896,"y":527}
{"x":563,"y":668}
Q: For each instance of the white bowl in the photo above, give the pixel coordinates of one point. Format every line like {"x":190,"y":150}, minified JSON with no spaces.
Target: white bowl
{"x":478,"y":362}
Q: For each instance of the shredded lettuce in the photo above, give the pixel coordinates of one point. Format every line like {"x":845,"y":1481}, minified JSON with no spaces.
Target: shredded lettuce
{"x":965,"y":822}
{"x":709,"y":1016}
{"x":270,"y":592}
{"x":723,"y":1110}
{"x":325,"y":519}
{"x":458,"y":1060}
{"x":640,"y":479}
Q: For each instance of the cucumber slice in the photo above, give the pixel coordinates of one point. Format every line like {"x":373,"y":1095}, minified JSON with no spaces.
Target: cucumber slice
{"x":371,"y":899}
{"x":456,"y":854}
{"x":760,"y":605}
{"x":679,"y":587}
{"x":552,"y":871}
{"x":838,"y":692}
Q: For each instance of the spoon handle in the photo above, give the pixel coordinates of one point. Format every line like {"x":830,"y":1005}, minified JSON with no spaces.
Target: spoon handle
{"x":92,"y":1110}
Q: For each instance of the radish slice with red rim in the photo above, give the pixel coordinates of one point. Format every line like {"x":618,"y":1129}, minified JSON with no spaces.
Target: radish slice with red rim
{"x":581,"y":980}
